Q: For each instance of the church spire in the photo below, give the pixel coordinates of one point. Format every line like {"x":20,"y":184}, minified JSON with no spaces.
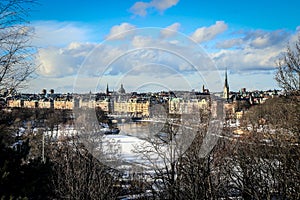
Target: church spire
{"x":226,"y":80}
{"x":226,"y":87}
{"x":107,"y":90}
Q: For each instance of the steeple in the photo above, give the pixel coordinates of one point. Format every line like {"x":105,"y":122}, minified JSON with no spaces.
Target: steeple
{"x":107,"y":90}
{"x":226,"y":87}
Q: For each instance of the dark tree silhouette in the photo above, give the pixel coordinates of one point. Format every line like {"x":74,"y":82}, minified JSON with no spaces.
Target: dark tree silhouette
{"x":288,"y":73}
{"x":16,"y":53}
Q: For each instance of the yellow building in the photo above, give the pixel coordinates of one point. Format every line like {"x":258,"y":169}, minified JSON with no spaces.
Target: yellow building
{"x":180,"y":106}
{"x":239,"y":114}
{"x":133,"y":107}
{"x":120,"y":107}
{"x":203,"y":104}
{"x":146,"y":109}
{"x":104,"y":105}
{"x":68,"y":105}
{"x":139,"y":108}
{"x":229,"y":109}
{"x":15,"y":103}
{"x":45,"y":104}
{"x":30,"y":104}
{"x":87,"y":104}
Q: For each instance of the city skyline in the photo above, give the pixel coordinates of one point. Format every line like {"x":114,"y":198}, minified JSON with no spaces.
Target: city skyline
{"x":247,"y":39}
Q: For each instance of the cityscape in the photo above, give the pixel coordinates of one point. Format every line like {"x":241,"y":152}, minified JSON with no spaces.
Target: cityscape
{"x":149,"y":100}
{"x":137,"y":105}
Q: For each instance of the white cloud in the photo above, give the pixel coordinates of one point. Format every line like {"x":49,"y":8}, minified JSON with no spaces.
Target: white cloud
{"x":170,"y":30}
{"x":162,"y":5}
{"x":263,"y":39}
{"x":54,"y":62}
{"x":247,"y":59}
{"x":204,"y":34}
{"x":62,"y":61}
{"x":139,"y":41}
{"x":254,"y":50}
{"x":153,"y":55}
{"x":108,"y":58}
{"x":140,"y":8}
{"x":53,"y":33}
{"x":294,"y":38}
{"x":229,"y":43}
{"x":120,"y":31}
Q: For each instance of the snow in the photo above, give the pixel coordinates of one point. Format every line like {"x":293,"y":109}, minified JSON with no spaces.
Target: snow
{"x":116,"y":147}
{"x":126,"y":145}
{"x":135,"y":146}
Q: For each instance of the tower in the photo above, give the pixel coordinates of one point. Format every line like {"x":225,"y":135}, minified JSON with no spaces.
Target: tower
{"x":226,"y":87}
{"x":107,"y":90}
{"x":122,"y":90}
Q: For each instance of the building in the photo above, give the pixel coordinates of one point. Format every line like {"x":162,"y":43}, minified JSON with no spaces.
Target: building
{"x":18,"y":103}
{"x":180,"y":106}
{"x":137,"y":107}
{"x":106,"y":105}
{"x":121,"y":90}
{"x":63,"y":105}
{"x":107,"y":90}
{"x":30,"y":104}
{"x":87,"y":103}
{"x":239,"y":114}
{"x":120,"y":107}
{"x":205,"y":90}
{"x":226,"y":87}
{"x":45,"y":104}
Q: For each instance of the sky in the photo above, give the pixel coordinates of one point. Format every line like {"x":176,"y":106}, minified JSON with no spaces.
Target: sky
{"x":155,"y":45}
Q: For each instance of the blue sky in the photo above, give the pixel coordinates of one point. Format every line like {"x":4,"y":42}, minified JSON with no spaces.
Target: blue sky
{"x":77,"y":40}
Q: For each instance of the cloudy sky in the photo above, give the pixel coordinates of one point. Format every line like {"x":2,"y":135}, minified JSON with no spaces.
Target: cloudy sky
{"x":160,"y":44}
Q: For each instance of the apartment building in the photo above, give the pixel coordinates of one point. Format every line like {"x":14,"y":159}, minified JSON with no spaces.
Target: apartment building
{"x":181,"y":106}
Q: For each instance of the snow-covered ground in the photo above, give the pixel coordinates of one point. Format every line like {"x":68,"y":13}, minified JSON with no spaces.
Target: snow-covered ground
{"x":145,"y":154}
{"x":119,"y":150}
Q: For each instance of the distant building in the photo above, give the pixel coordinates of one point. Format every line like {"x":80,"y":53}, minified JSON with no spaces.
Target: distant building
{"x":239,"y":114}
{"x":63,"y":105}
{"x":30,"y":104}
{"x":226,"y":87}
{"x":120,"y":107}
{"x":107,"y":91}
{"x":205,"y":90}
{"x":137,"y":107}
{"x":243,"y":90}
{"x":180,"y":106}
{"x":106,"y":105}
{"x":121,"y":90}
{"x":15,"y":103}
{"x":45,"y":104}
{"x":87,"y":103}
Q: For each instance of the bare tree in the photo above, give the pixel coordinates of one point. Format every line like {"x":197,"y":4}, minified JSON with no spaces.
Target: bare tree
{"x":179,"y":169}
{"x":16,"y":52}
{"x":78,"y":168}
{"x":288,"y":74}
{"x":79,"y":175}
{"x":264,"y":163}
